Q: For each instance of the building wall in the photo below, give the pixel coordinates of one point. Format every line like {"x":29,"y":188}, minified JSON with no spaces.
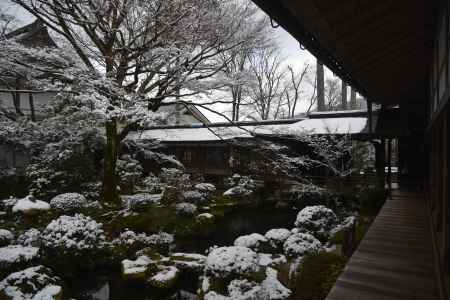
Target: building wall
{"x":439,"y":142}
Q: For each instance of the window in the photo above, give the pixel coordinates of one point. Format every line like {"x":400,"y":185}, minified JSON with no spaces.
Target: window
{"x":187,"y":156}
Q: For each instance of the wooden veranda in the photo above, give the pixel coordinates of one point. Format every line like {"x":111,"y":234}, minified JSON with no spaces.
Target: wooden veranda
{"x":395,"y":260}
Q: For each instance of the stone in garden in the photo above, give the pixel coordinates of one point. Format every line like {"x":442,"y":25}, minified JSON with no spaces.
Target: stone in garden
{"x":205,"y":187}
{"x":30,"y":206}
{"x":136,"y":269}
{"x":33,"y":283}
{"x":164,"y":278}
{"x":254,"y":241}
{"x":6,"y":237}
{"x":190,"y":262}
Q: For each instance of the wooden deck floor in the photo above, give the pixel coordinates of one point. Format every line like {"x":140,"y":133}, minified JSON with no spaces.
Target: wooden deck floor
{"x":395,"y":260}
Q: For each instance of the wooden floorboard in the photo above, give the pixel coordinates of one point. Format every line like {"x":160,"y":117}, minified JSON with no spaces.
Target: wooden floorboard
{"x":395,"y":260}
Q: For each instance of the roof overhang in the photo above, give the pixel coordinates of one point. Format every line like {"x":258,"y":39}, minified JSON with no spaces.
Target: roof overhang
{"x":382,"y":48}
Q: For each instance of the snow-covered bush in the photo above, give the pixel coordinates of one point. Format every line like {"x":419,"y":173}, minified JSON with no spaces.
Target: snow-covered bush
{"x":233,"y":262}
{"x":276,"y":237}
{"x":240,"y":185}
{"x":254,"y":241}
{"x":185,"y":209}
{"x":151,"y":184}
{"x":6,"y":237}
{"x":130,"y":242}
{"x":71,"y":234}
{"x":16,"y":257}
{"x":68,"y":202}
{"x":30,"y":206}
{"x":141,"y":201}
{"x":176,"y":178}
{"x":129,"y":172}
{"x":317,"y":220}
{"x":195,"y":197}
{"x":33,"y":283}
{"x":300,"y":244}
{"x":205,"y":187}
{"x":31,"y":237}
{"x":308,"y":194}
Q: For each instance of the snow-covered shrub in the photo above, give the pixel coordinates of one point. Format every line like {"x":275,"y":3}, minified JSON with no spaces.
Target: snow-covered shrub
{"x":240,"y":185}
{"x":185,"y":209}
{"x":31,"y":237}
{"x":317,"y":220}
{"x":129,"y":172}
{"x":176,"y":178}
{"x":151,"y":184}
{"x":300,"y":244}
{"x":205,"y":187}
{"x":16,"y":257}
{"x":6,"y":237}
{"x":154,"y":161}
{"x":129,"y":242}
{"x":142,"y":201}
{"x":71,"y":234}
{"x":233,"y":262}
{"x":254,"y":241}
{"x":30,"y":206}
{"x":303,"y":194}
{"x":68,"y":202}
{"x":33,"y":283}
{"x":193,"y":197}
{"x":276,"y":237}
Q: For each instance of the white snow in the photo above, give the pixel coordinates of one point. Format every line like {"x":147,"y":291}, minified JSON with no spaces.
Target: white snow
{"x":31,"y":237}
{"x":329,"y":126}
{"x":29,"y":205}
{"x":252,"y":241}
{"x":300,"y":244}
{"x":139,"y":265}
{"x":205,"y":187}
{"x":6,"y":237}
{"x":272,"y":288}
{"x":316,"y":219}
{"x":16,"y":253}
{"x":167,"y":273}
{"x":205,"y":215}
{"x":231,"y":260}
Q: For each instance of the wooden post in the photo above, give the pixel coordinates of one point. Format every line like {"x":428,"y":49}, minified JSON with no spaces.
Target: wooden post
{"x":33,"y":115}
{"x":320,"y":86}
{"x":389,"y":166}
{"x":369,"y":116}
{"x":344,"y":95}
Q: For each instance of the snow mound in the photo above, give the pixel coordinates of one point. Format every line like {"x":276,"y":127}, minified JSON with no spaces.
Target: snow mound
{"x":185,"y":209}
{"x":30,"y":205}
{"x":272,"y":288}
{"x":254,"y":241}
{"x":73,"y":233}
{"x":165,"y":278}
{"x":68,"y":202}
{"x":232,"y":261}
{"x":6,"y":237}
{"x":31,"y":237}
{"x":317,"y":220}
{"x":205,"y":187}
{"x":35,"y":283}
{"x":135,"y":268}
{"x":16,"y":254}
{"x":277,"y":237}
{"x":300,"y":244}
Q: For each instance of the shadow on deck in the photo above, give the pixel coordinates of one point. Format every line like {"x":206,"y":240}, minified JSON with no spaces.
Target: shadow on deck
{"x":395,"y":260}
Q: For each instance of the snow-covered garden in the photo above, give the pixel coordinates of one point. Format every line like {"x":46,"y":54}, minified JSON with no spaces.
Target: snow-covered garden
{"x":91,"y":210}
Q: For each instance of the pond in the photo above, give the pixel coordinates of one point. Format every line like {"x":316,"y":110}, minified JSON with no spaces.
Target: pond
{"x":241,"y":221}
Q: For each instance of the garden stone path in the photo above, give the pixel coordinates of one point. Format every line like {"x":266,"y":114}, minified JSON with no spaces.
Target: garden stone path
{"x":395,"y":260}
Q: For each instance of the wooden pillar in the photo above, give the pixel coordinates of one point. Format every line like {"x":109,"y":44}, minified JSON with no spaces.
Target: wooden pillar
{"x":369,"y":116}
{"x":33,"y":115}
{"x":389,"y":177}
{"x":344,"y":95}
{"x":320,"y":86}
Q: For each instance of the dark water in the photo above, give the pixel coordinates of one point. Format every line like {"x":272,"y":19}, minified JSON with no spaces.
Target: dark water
{"x":240,"y":222}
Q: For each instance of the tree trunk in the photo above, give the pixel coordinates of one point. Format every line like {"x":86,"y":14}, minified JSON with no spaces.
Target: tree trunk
{"x":320,"y":87}
{"x":352,"y":98}
{"x":109,"y":189}
{"x":343,"y":95}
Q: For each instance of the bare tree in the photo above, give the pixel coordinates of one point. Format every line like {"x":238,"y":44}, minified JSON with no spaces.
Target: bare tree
{"x":293,"y":90}
{"x":332,"y":94}
{"x":267,"y":88}
{"x":135,"y":54}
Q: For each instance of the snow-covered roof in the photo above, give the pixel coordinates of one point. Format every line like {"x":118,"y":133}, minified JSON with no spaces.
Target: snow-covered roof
{"x":203,"y":134}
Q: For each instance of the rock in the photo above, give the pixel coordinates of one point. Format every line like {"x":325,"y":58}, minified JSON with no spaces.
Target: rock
{"x":170,"y":195}
{"x":16,"y":257}
{"x":165,"y":278}
{"x":190,"y":262}
{"x":30,"y":206}
{"x":142,"y":201}
{"x":276,"y":238}
{"x":32,"y":283}
{"x":194,"y":197}
{"x":300,"y":244}
{"x":136,"y":269}
{"x":31,"y":237}
{"x":68,"y":202}
{"x":205,"y":187}
{"x":316,"y":220}
{"x":254,"y":241}
{"x":6,"y":237}
{"x":237,"y":191}
{"x":185,"y":209}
